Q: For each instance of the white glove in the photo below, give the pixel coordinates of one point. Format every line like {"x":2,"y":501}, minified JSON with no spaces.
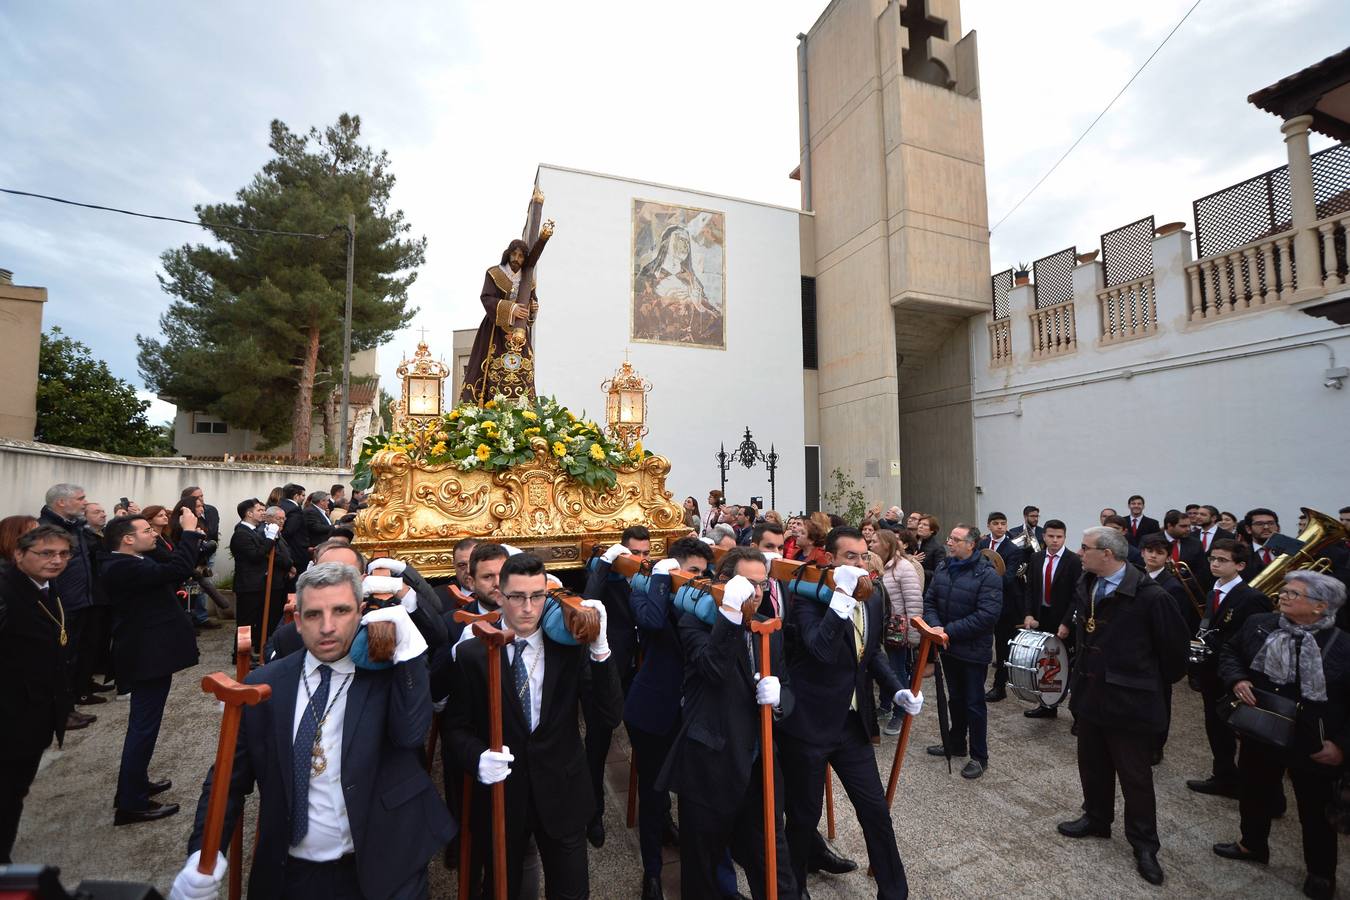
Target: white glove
{"x":511,"y":551}
{"x":708,"y":541}
{"x":771,"y":556}
{"x":665,"y":567}
{"x":395,"y":566}
{"x":409,"y":643}
{"x":734,"y":594}
{"x":271,"y":530}
{"x":614,"y":552}
{"x":552,"y":581}
{"x":767,"y":690}
{"x":842,"y":605}
{"x":912,"y":702}
{"x":494,"y":766}
{"x":380,"y":584}
{"x":190,"y":884}
{"x":600,"y":646}
{"x":846,"y":578}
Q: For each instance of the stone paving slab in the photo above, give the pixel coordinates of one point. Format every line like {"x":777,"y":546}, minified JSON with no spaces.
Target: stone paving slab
{"x":994,"y":837}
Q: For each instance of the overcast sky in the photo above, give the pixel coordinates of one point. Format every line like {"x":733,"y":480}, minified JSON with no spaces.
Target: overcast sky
{"x":158,"y":106}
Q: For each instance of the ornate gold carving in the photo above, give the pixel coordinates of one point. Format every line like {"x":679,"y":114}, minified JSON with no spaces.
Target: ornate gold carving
{"x":418,"y":512}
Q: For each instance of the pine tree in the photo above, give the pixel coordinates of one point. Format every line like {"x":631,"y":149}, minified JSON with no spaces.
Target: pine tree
{"x":254,"y":334}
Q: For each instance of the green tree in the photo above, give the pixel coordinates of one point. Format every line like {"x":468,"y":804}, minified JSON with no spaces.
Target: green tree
{"x":386,"y":423}
{"x":845,"y":500}
{"x":80,"y":403}
{"x":254,"y":334}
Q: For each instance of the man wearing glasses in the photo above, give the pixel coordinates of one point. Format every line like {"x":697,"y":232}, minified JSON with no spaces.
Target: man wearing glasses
{"x":35,"y":701}
{"x":1131,"y":644}
{"x":964,"y":599}
{"x":1227,"y":607}
{"x":1264,"y":525}
{"x":542,"y":759}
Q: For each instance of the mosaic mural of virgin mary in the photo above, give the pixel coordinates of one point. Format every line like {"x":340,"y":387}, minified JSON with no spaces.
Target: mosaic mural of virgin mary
{"x":678,"y":275}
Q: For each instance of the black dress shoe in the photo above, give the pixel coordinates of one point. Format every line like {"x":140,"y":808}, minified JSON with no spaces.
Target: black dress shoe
{"x":1319,"y":888}
{"x":974,"y":769}
{"x":1146,"y":861}
{"x":149,"y":814}
{"x":938,"y":750}
{"x":159,"y":787}
{"x":670,"y":832}
{"x":96,"y":688}
{"x":993,"y":695}
{"x":1240,"y":853}
{"x":651,"y":888}
{"x":1212,"y":785}
{"x":77,"y":720}
{"x":595,"y":831}
{"x":1156,"y":758}
{"x":1042,"y":712}
{"x":90,"y":700}
{"x":1083,"y":827}
{"x":823,"y":859}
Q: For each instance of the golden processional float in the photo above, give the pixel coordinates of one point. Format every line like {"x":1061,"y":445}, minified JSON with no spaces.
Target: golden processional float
{"x":527,"y":472}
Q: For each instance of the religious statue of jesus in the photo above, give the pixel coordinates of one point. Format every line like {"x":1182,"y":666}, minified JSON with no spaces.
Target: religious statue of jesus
{"x":502,"y":360}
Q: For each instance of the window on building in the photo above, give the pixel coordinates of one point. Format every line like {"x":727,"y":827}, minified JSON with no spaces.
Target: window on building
{"x":812,"y":478}
{"x":808,"y":323}
{"x":201,"y":427}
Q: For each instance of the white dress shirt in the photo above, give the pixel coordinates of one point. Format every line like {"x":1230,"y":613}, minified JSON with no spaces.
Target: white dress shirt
{"x":1222,"y":589}
{"x":330,"y":835}
{"x":534,"y":666}
{"x":1207,"y":536}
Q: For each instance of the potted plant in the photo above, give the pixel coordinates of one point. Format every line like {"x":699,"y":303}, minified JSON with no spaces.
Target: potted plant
{"x":1021,"y":274}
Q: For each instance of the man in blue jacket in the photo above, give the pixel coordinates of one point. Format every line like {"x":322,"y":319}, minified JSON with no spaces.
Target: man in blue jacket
{"x":964,"y":600}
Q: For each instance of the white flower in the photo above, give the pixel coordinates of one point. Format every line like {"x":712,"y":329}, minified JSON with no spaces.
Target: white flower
{"x":508,"y":445}
{"x":548,"y":424}
{"x":567,"y":460}
{"x":470,"y":412}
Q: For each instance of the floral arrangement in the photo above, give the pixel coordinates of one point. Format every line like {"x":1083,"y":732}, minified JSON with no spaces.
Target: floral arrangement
{"x":500,"y":434}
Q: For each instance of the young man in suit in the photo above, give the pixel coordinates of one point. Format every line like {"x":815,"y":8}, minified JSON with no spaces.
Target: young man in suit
{"x":1183,"y":547}
{"x":542,"y":759}
{"x":1052,"y":578}
{"x":1139,"y":525}
{"x":1229,"y":605}
{"x":1012,"y":556}
{"x":293,"y":529}
{"x":1031,"y":517}
{"x":834,"y":719}
{"x":611,"y":589}
{"x":346,"y":809}
{"x":652,"y":709}
{"x":34,"y":697}
{"x":251,"y":545}
{"x":1264,"y":525}
{"x":716,"y":762}
{"x":1207,"y":520}
{"x":152,"y":640}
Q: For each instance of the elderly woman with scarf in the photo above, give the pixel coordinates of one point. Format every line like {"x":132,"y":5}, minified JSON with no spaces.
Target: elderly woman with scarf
{"x":1297,"y":653}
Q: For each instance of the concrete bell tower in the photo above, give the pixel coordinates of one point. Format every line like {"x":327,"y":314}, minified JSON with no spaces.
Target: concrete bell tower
{"x":892,"y":166}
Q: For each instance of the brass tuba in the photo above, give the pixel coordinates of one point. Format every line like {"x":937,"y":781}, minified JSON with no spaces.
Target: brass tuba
{"x":1322,"y":532}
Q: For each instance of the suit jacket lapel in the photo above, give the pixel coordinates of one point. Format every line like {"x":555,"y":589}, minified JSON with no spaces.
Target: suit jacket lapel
{"x":357,"y":692}
{"x":284,"y":692}
{"x":553,"y":663}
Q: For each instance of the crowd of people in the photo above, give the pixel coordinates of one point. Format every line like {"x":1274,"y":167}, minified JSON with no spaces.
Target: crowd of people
{"x":339,"y":753}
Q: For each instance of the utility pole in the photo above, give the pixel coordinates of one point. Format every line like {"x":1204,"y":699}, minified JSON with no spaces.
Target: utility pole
{"x":347,"y":345}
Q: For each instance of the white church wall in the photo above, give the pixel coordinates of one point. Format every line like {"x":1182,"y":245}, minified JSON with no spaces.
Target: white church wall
{"x":701,"y":397}
{"x":1231,"y":411}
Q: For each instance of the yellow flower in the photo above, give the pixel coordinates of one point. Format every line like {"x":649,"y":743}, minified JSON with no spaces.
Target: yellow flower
{"x":531,"y":431}
{"x":559,"y":449}
{"x":452,"y":414}
{"x":483,"y":452}
{"x":491,"y":404}
{"x":530,"y":414}
{"x":596,"y":452}
{"x":571,"y":416}
{"x":438,"y":449}
{"x":636,"y":452}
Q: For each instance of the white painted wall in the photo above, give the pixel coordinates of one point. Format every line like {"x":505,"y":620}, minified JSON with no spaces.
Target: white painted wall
{"x":1229,"y":411}
{"x":700,"y":397}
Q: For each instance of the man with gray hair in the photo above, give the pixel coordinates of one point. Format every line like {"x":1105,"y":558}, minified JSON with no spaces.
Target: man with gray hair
{"x":350,"y":812}
{"x":1132,"y":644}
{"x":318,"y":524}
{"x":64,"y":508}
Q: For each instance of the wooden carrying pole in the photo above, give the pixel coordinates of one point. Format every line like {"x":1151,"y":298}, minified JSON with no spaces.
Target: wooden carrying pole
{"x":234,"y":695}
{"x":791,"y":570}
{"x":267,"y":600}
{"x":764,"y":628}
{"x":493,"y":640}
{"x":929,"y":637}
{"x":829,"y":802}
{"x":467,"y":618}
{"x":243,"y":651}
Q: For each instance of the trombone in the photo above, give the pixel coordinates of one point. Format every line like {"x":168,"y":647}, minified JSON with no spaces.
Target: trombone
{"x":1184,"y":575}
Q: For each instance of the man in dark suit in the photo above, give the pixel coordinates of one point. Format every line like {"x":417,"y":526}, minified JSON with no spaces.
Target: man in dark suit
{"x":152,"y":640}
{"x":358,"y":816}
{"x":834,"y":719}
{"x":318,"y":524}
{"x":651,"y":710}
{"x":1139,"y":525}
{"x":542,"y":757}
{"x":1183,"y":547}
{"x":1186,"y":595}
{"x":1010,"y":616}
{"x":1131,"y":642}
{"x":1264,"y":525}
{"x":293,"y":529}
{"x":716,"y":762}
{"x":1031,"y":517}
{"x":252,"y":545}
{"x":1122,"y":524}
{"x":1229,"y":604}
{"x":64,"y":509}
{"x":1207,"y":521}
{"x":34,"y":697}
{"x":613,"y":591}
{"x":1052,"y":578}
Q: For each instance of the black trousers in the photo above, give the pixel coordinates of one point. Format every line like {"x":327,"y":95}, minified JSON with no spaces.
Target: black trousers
{"x":650,"y":751}
{"x":854,"y":761}
{"x":1222,"y":742}
{"x":248,"y":610}
{"x":1005,"y":629}
{"x":1105,"y":754}
{"x":1261,"y":795}
{"x":966,"y":705}
{"x":143,"y":721}
{"x":1160,"y":739}
{"x":336,"y":880}
{"x":79,"y":650}
{"x":706,"y":833}
{"x":16,"y":777}
{"x":597,"y":738}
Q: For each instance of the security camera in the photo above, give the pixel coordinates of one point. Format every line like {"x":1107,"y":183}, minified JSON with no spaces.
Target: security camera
{"x":1335,"y":377}
{"x":1334,"y":383}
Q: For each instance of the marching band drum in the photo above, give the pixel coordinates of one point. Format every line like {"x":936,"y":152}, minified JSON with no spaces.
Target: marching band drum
{"x":1038,"y":668}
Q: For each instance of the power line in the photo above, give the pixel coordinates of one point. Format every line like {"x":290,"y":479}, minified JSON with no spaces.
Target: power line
{"x":141,"y":215}
{"x":1099,"y":117}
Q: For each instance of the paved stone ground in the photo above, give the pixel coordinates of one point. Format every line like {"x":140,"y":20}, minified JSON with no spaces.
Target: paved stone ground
{"x":991,"y":837}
